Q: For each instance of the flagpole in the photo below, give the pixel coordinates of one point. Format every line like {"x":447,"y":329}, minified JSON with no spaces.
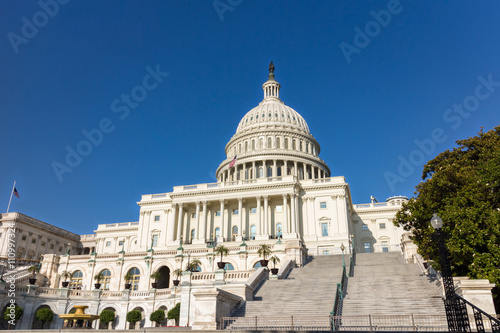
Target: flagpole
{"x":11,"y":192}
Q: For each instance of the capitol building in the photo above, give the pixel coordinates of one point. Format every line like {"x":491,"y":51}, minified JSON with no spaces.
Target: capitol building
{"x":272,"y":188}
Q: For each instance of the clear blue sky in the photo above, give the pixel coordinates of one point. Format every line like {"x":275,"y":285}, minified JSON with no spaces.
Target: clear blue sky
{"x":366,"y":113}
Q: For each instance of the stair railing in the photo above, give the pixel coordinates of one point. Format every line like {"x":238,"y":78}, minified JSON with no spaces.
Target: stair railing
{"x":336,"y":321}
{"x":478,"y":315}
{"x":352,"y":263}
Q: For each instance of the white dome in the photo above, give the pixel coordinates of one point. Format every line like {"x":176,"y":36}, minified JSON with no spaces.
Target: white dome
{"x":272,"y":112}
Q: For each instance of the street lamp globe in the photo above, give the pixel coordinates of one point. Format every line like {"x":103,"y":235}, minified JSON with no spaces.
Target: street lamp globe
{"x":436,"y":222}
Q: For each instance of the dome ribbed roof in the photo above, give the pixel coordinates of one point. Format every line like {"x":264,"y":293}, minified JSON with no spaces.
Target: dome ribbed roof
{"x":272,"y":111}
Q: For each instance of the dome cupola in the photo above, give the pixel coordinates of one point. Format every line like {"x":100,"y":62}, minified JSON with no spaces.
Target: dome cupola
{"x":272,"y":132}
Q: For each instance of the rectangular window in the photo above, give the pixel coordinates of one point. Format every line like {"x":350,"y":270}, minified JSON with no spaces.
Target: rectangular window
{"x":33,"y":241}
{"x":120,"y":243}
{"x":217,"y":213}
{"x":385,"y":246}
{"x":51,"y":246}
{"x":326,"y":252}
{"x":322,"y":205}
{"x":157,"y":218}
{"x":43,"y":243}
{"x":108,"y":244}
{"x":235,"y":212}
{"x":382,"y":225}
{"x":324,"y":229}
{"x":367,"y":247}
{"x":279,"y":209}
{"x":23,"y":238}
{"x":155,"y":240}
{"x":60,"y":248}
{"x":253,"y":211}
{"x":193,"y":215}
{"x":364,"y":227}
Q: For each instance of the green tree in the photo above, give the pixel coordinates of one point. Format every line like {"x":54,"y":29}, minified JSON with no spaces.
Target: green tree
{"x":15,"y":315}
{"x":45,"y":315}
{"x":134,"y":316}
{"x":264,"y":251}
{"x":463,"y":187}
{"x":174,"y":313}
{"x":222,"y":250}
{"x":157,"y":316}
{"x":107,"y":316}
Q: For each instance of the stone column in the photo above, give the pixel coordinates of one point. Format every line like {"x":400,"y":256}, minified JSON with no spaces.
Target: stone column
{"x":179,"y":222}
{"x":275,"y":171}
{"x":139,"y":233}
{"x":222,"y":223}
{"x":240,"y":218}
{"x":197,"y":234}
{"x":203,"y":227}
{"x":293,"y":221}
{"x":295,"y":170}
{"x":285,"y":214}
{"x":167,"y":215}
{"x":243,"y":177}
{"x":171,"y":224}
{"x":254,"y":172}
{"x":259,"y":213}
{"x":266,"y":212}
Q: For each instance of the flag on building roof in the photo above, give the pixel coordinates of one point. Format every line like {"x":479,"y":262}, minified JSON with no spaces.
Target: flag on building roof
{"x":233,"y":162}
{"x":15,"y":192}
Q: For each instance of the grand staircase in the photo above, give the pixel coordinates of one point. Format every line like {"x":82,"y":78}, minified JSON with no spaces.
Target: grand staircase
{"x":383,"y":284}
{"x":308,"y":291}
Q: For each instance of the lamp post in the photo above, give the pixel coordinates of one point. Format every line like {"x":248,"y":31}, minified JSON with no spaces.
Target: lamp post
{"x":342,"y":247}
{"x":456,"y":312}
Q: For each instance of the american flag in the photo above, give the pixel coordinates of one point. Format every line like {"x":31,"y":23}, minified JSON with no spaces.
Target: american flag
{"x":233,"y":162}
{"x":15,"y":192}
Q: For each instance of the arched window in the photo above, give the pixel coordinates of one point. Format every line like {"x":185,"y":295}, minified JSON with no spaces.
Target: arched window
{"x":279,"y":171}
{"x":253,"y":144}
{"x":229,"y":267}
{"x":269,"y":171}
{"x":253,"y":232}
{"x":235,"y":233}
{"x":106,"y":278}
{"x":246,"y":173}
{"x":246,"y":146}
{"x":286,"y":143}
{"x":261,"y":143}
{"x":307,"y":147}
{"x":269,"y":143}
{"x":217,"y":232}
{"x":300,"y":145}
{"x":239,"y":148}
{"x":261,"y":172}
{"x":279,"y":230}
{"x":193,"y":232}
{"x":136,"y":276}
{"x":278,"y":143}
{"x":257,"y":264}
{"x":76,"y":280}
{"x":293,"y":144}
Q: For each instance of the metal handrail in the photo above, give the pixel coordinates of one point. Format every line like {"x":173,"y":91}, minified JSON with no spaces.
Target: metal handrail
{"x":478,"y":313}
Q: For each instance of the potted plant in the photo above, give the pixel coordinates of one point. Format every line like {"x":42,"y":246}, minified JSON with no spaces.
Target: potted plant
{"x":177,"y":273}
{"x":156,"y":275}
{"x":133,"y":317}
{"x":9,"y":316}
{"x":174,"y":313}
{"x":264,"y":251}
{"x":44,"y":315}
{"x":223,"y":251}
{"x":157,"y":317}
{"x":66,"y":275}
{"x":193,"y":265}
{"x":128,"y":277}
{"x":98,"y":277}
{"x":107,"y":317}
{"x":33,"y":270}
{"x":274,"y":260}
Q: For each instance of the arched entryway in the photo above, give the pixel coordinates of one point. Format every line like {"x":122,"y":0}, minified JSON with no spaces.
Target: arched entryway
{"x":164,"y":281}
{"x":139,"y":324}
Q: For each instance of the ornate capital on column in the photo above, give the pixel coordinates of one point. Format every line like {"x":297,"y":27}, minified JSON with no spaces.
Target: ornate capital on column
{"x":141,"y":213}
{"x":266,"y":197}
{"x":168,"y":210}
{"x":204,"y":202}
{"x":180,"y":205}
{"x":285,"y":196}
{"x":148,"y":212}
{"x":222,"y":201}
{"x":198,"y":202}
{"x":240,"y":199}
